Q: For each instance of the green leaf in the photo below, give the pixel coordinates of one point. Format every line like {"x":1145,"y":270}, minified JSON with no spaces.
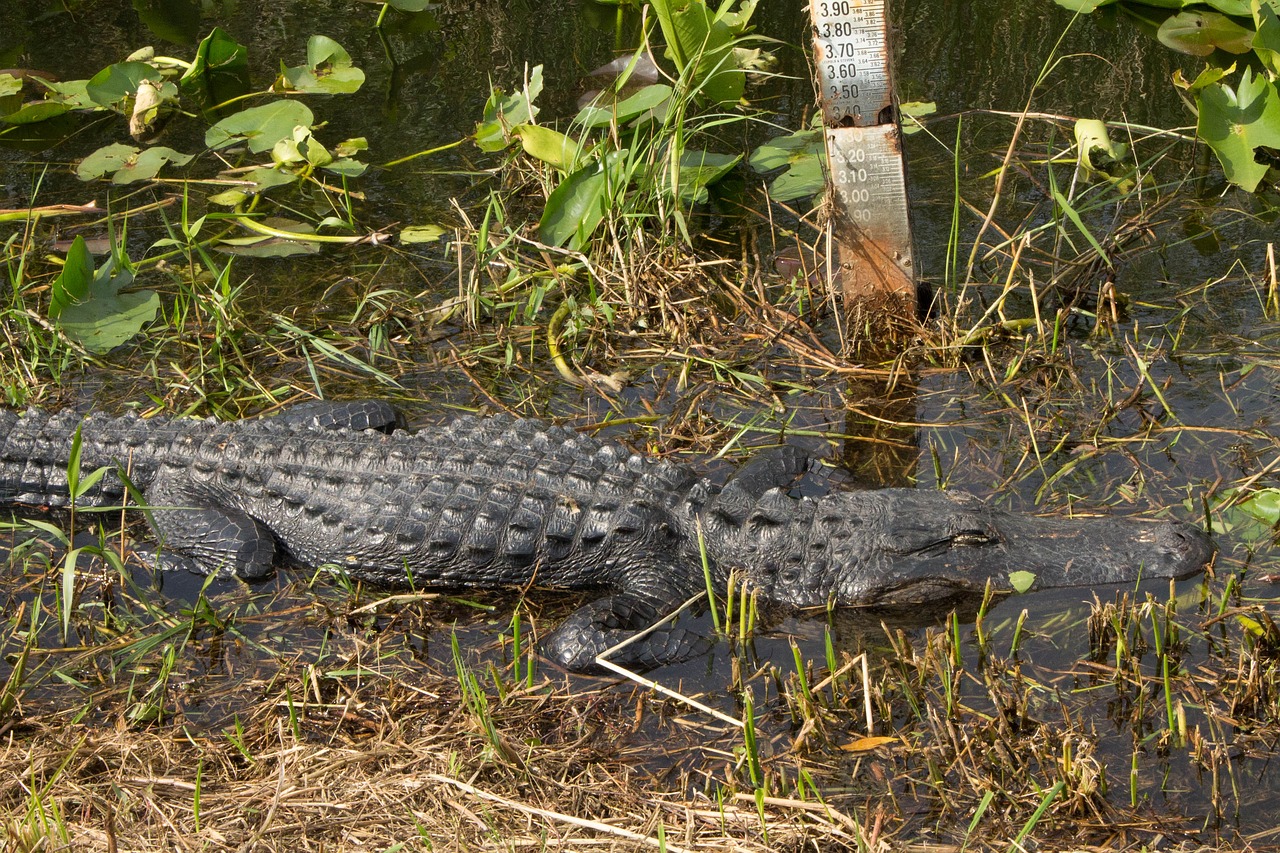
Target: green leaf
{"x":1264,"y":505}
{"x":1266,"y":43}
{"x":128,"y":164}
{"x":706,"y":42}
{"x":1098,"y":155}
{"x":411,"y":5}
{"x":1021,"y":581}
{"x":72,"y":284}
{"x":261,"y":127}
{"x":503,"y":113}
{"x":111,"y":86}
{"x":701,"y":169}
{"x":642,"y":101}
{"x":329,"y":70}
{"x":1084,"y":7}
{"x":37,"y":111}
{"x":1239,"y":8}
{"x":576,"y":207}
{"x":1235,"y":124}
{"x":1199,"y":33}
{"x":551,"y":147}
{"x":218,"y":72}
{"x":421,"y":234}
{"x":95,"y":313}
{"x":803,"y":154}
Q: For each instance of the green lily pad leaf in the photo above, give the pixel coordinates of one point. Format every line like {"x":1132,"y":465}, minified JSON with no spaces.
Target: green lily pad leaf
{"x":346,"y":167}
{"x":229,"y":198}
{"x":1235,"y":124}
{"x":265,"y":178}
{"x":104,"y":324}
{"x":1021,"y":581}
{"x":301,"y":147}
{"x":803,"y":154}
{"x":218,"y":72}
{"x":421,"y":234}
{"x":1240,"y":8}
{"x":1264,"y":505}
{"x":115,"y":84}
{"x":1209,"y":74}
{"x":261,"y":127}
{"x":127,"y":164}
{"x":701,"y":169}
{"x":351,"y":147}
{"x":1099,"y":156}
{"x":502,"y":113}
{"x":411,"y":5}
{"x":1084,"y":7}
{"x":576,"y":207}
{"x":642,"y":101}
{"x":803,"y":179}
{"x":37,"y":111}
{"x":551,"y":147}
{"x":73,"y":93}
{"x":329,"y":70}
{"x":785,"y":150}
{"x":9,"y":85}
{"x":1200,"y":33}
{"x":1266,"y":43}
{"x":89,"y":307}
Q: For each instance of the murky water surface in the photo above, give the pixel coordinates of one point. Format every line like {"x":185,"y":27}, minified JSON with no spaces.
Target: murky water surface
{"x":1175,"y":399}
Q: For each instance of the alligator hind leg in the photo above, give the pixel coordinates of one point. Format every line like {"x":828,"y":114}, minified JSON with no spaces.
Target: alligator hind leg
{"x":197,"y":534}
{"x":602,"y":624}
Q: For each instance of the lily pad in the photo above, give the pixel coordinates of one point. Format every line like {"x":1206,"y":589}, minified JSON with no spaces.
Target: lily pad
{"x":1264,"y":505}
{"x":804,"y":156}
{"x":1021,"y":581}
{"x":1236,"y":123}
{"x":699,"y":170}
{"x":113,"y":85}
{"x":260,"y":127}
{"x":1200,"y":33}
{"x":89,"y":307}
{"x":421,"y":234}
{"x":329,"y":70}
{"x":219,"y":71}
{"x":36,"y":111}
{"x":128,"y":164}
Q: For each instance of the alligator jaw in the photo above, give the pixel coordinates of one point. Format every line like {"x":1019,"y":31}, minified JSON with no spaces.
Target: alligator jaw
{"x":1049,"y":552}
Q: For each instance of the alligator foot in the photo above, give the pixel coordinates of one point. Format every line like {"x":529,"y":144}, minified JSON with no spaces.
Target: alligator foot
{"x":602,"y":624}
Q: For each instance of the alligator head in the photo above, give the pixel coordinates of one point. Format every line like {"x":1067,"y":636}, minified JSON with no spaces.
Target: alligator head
{"x":906,"y":547}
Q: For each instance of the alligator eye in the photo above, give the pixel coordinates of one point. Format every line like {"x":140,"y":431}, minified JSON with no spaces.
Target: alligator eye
{"x":971,"y":539}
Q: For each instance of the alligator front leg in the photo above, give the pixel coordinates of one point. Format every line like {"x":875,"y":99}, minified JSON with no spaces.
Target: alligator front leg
{"x":604,"y":623}
{"x":195,"y":533}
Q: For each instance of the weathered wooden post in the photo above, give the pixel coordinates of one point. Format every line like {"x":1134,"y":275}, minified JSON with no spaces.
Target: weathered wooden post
{"x":869,"y":220}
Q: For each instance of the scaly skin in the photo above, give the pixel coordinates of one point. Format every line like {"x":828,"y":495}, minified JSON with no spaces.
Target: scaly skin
{"x":499,"y":502}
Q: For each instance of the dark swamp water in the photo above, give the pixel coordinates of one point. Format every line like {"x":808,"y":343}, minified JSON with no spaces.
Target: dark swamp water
{"x":1034,"y":431}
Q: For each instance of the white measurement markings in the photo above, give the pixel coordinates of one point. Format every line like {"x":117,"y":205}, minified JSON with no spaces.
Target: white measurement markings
{"x":850,"y":40}
{"x":870,"y":185}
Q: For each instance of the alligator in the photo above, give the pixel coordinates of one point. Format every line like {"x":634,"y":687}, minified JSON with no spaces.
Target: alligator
{"x":483,"y":502}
